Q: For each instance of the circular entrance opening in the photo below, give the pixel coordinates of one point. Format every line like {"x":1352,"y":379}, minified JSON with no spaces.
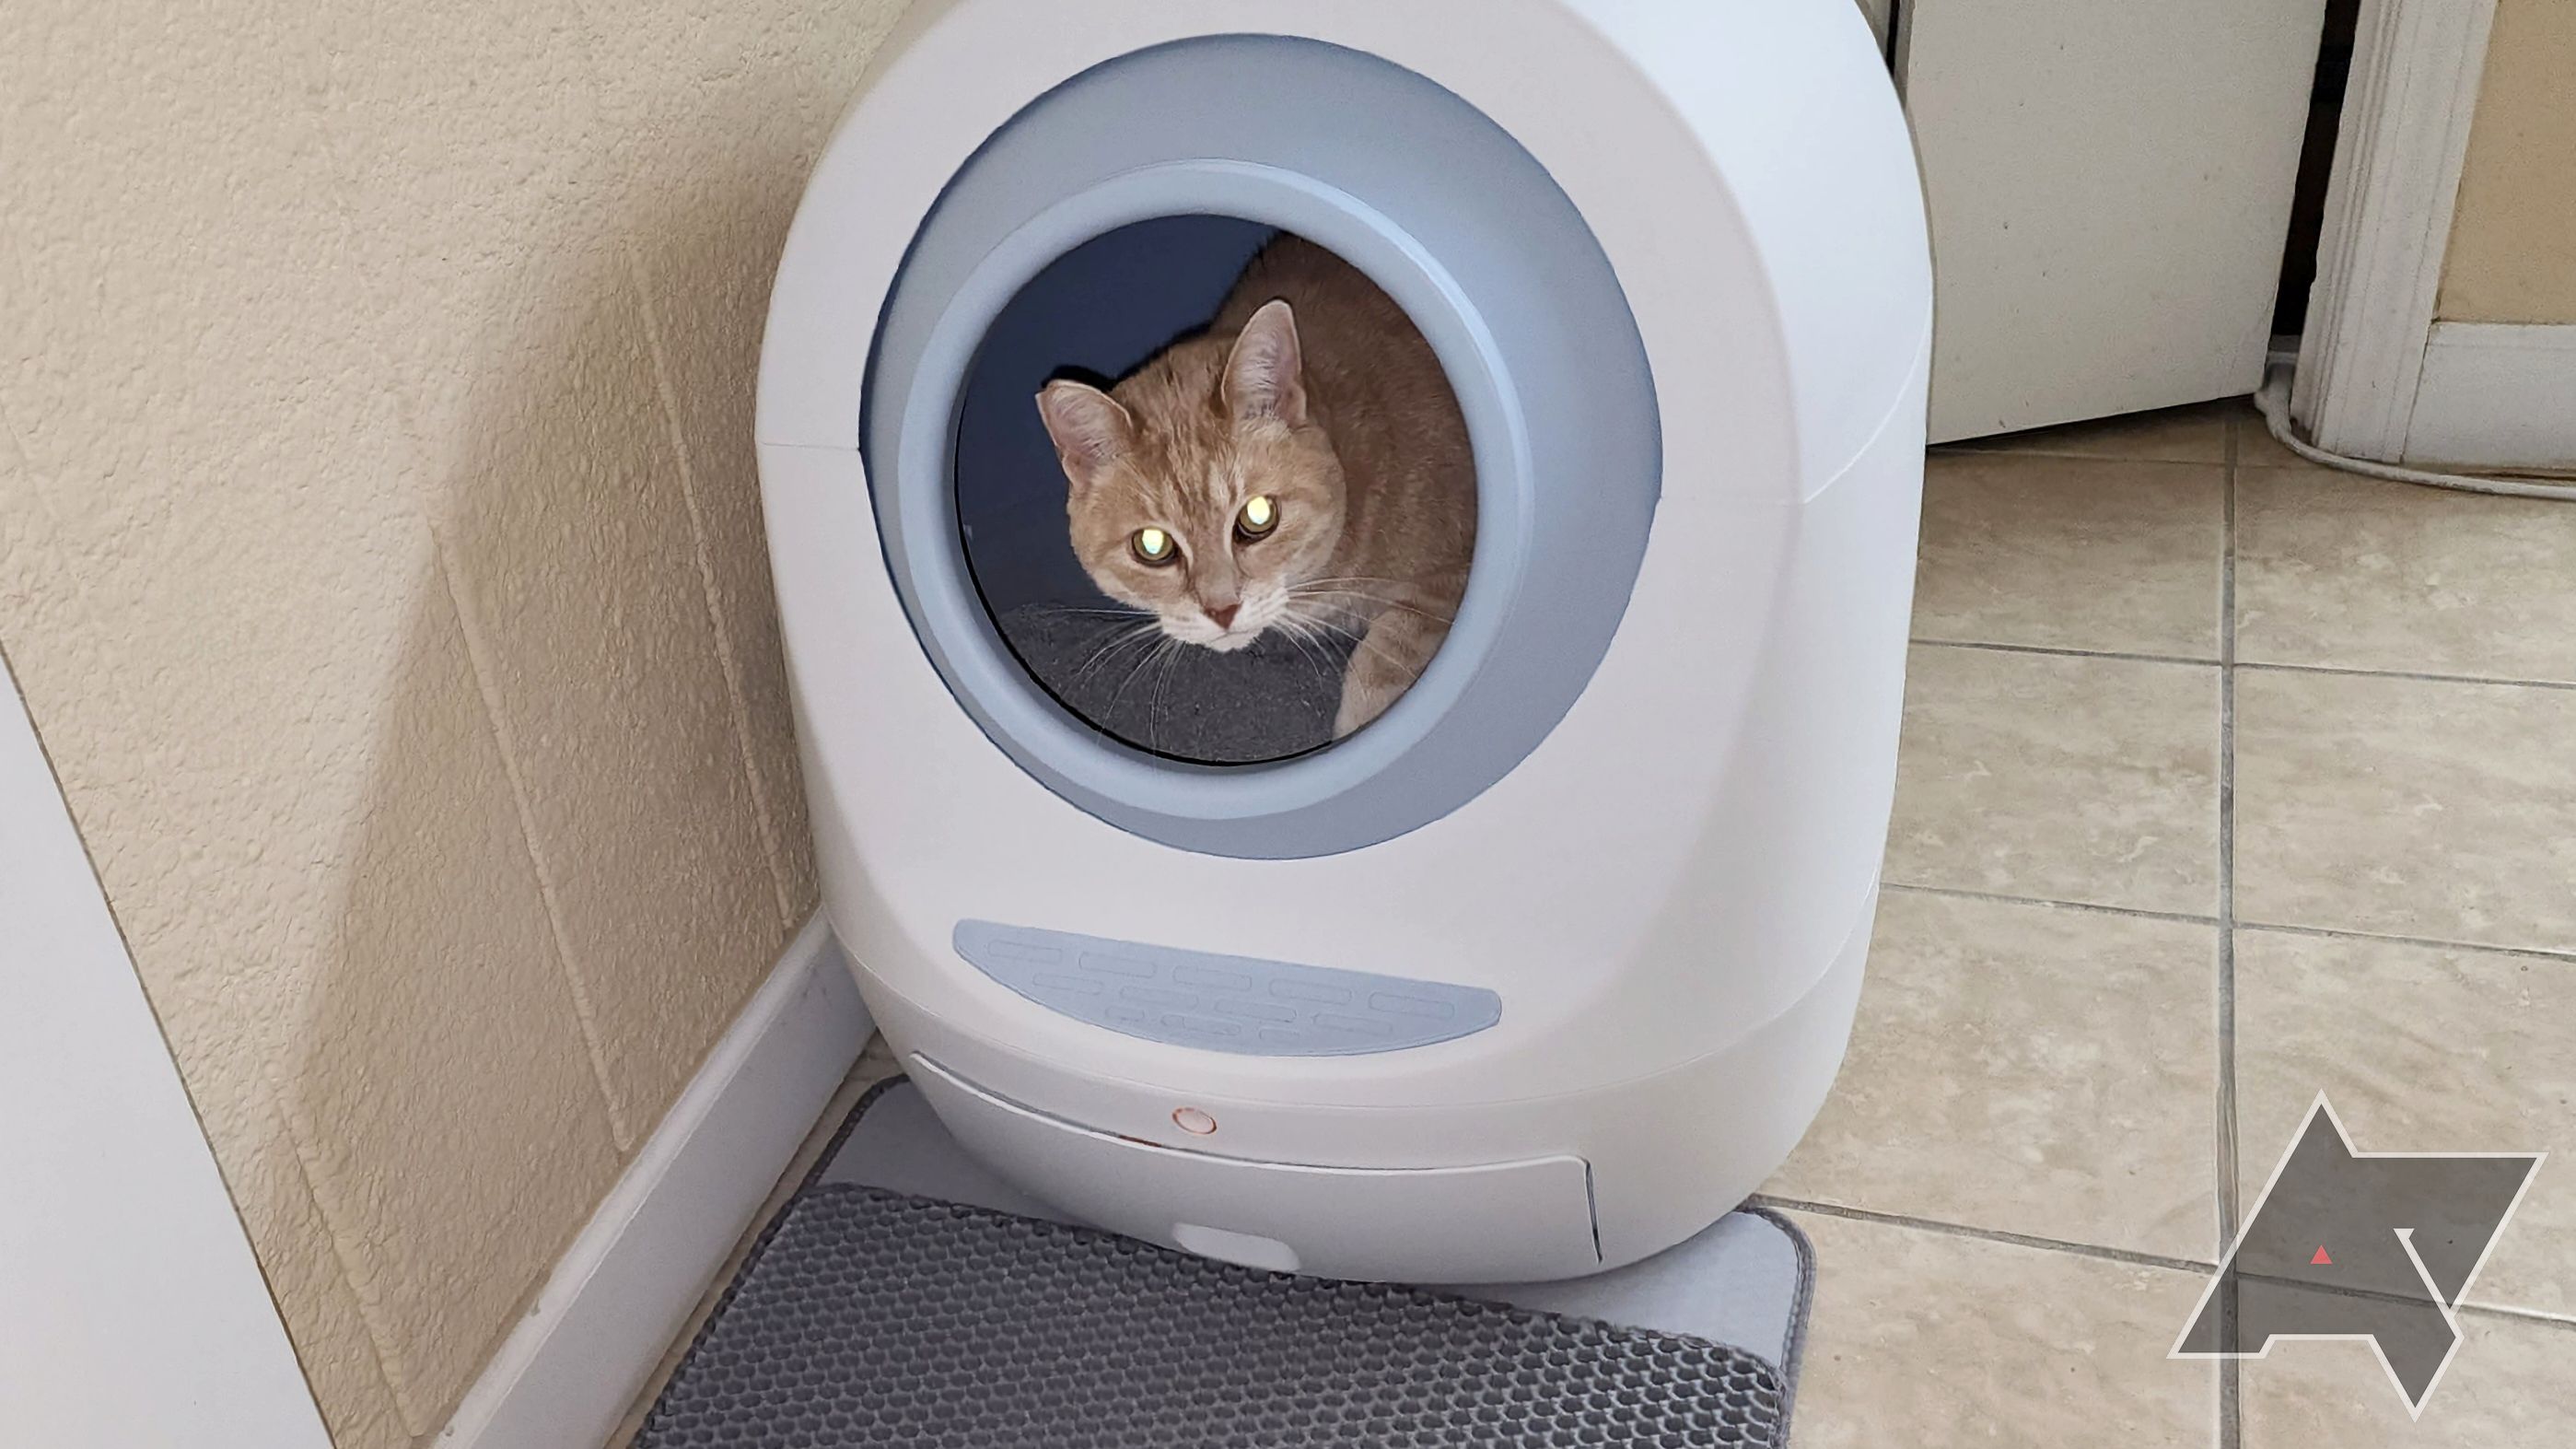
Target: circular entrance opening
{"x":1162,"y":174}
{"x":1214,"y":489}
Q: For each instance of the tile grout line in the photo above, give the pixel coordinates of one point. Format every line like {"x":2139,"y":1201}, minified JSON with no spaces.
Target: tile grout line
{"x":2502,"y":1314}
{"x":2337,"y":671}
{"x":2429,"y":943}
{"x":2321,"y":933}
{"x":2125,"y":1256}
{"x":2134,"y":912}
{"x":2062,"y":653}
{"x":2128,"y":1257}
{"x":2490,"y":1311}
{"x":2231,"y":1410}
{"x":2415,"y":675}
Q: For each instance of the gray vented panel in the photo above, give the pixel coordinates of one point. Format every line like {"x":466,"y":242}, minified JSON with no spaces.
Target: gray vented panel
{"x":868,"y":1318}
{"x":1223,"y":1003}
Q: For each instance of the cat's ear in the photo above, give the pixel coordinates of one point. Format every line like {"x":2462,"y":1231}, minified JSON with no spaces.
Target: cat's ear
{"x":1266,"y":376}
{"x":1089,"y":427}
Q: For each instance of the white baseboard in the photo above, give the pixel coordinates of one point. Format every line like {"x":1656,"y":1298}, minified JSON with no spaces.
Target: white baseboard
{"x":2495,"y":395}
{"x":566,"y":1375}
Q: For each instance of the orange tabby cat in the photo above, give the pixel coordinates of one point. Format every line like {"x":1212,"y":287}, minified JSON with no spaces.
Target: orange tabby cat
{"x":1301,"y":466}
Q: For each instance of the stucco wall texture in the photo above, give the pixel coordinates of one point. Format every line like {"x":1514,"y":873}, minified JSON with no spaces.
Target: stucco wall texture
{"x":380,"y":557}
{"x":2513,"y":237}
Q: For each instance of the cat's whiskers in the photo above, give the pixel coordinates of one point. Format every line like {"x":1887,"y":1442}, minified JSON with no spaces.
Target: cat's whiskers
{"x":1110,"y":710}
{"x":1154,"y":706}
{"x":1392,"y":593}
{"x":1313,"y":646}
{"x":1296,"y":631}
{"x":1118,"y":641}
{"x":1259,"y":611}
{"x":1319,"y":605}
{"x":1076,"y":610}
{"x":1310,"y":590}
{"x":1360,"y":639}
{"x":1134,"y":625}
{"x":1359,"y":579}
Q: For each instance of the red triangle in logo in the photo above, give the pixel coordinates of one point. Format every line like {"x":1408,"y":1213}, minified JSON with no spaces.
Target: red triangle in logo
{"x":2321,"y":1258}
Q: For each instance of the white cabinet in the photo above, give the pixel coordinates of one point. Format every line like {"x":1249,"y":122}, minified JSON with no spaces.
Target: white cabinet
{"x":2110,"y":186}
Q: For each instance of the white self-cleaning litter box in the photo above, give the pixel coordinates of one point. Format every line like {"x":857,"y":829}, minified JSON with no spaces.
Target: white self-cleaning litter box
{"x":1552,"y":964}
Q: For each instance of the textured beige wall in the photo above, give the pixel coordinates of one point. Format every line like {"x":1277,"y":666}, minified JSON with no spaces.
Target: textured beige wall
{"x":2513,"y":240}
{"x":380,"y":558}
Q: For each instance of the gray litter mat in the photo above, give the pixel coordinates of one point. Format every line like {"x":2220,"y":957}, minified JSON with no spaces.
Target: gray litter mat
{"x":906,"y":1298}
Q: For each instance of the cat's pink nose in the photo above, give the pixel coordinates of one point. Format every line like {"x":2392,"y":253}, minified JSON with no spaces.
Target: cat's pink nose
{"x":1222,"y":616}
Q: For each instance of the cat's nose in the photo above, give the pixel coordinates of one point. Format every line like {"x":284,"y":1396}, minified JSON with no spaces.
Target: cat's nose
{"x":1222,"y":615}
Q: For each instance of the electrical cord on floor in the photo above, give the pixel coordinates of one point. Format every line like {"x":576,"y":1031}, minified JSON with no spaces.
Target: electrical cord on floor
{"x":2274,"y":403}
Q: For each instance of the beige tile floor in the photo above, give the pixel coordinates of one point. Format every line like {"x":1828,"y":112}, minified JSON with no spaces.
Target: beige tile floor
{"x":2225,"y":780}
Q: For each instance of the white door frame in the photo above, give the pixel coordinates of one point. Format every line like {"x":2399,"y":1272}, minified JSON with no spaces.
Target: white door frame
{"x":131,"y":1310}
{"x":2404,"y":135}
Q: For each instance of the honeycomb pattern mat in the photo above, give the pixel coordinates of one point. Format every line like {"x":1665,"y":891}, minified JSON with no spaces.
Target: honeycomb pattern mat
{"x":870,"y":1318}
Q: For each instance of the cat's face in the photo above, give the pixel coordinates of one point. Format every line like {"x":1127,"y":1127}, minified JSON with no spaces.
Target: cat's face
{"x":1204,"y":492}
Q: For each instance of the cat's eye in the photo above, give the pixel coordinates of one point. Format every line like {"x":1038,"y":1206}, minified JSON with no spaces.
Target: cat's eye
{"x":1259,"y":515}
{"x":1152,"y":546}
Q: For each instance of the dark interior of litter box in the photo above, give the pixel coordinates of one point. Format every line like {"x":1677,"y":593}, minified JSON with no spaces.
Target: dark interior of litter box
{"x":1098,"y":313}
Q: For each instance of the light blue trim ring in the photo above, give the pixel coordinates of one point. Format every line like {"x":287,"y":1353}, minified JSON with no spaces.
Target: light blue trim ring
{"x":1458,"y":224}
